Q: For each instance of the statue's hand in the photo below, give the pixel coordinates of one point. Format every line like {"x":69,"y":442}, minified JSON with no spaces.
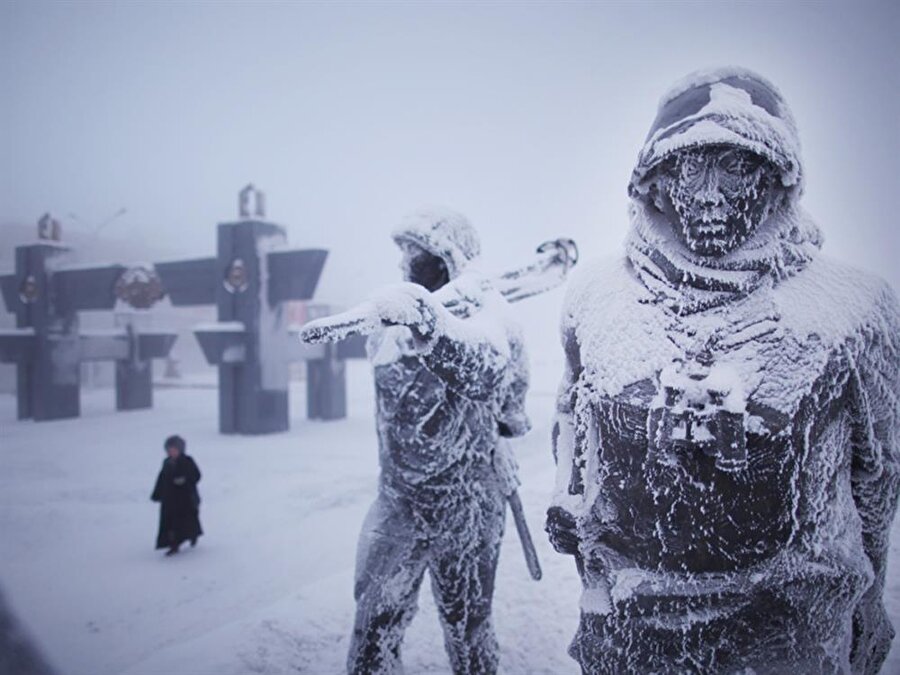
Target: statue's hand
{"x":561,"y":528}
{"x":411,"y":305}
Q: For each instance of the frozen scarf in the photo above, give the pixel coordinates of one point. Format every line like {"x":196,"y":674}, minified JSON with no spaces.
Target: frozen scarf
{"x":738,"y":108}
{"x":687,"y":283}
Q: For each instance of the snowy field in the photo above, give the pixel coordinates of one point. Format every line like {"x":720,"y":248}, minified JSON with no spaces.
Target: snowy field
{"x":269,"y":588}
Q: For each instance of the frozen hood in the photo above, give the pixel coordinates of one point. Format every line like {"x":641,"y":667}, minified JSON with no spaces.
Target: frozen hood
{"x":444,"y":233}
{"x":725,"y":106}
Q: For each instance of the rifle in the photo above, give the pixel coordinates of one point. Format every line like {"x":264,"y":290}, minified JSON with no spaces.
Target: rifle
{"x":531,"y":559}
{"x":548,"y":270}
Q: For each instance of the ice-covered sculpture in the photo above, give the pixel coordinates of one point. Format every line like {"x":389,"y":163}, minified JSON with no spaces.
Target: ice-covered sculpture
{"x":447,"y":388}
{"x":727,"y":429}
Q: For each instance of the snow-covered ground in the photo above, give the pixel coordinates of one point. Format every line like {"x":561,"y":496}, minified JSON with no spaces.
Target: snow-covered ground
{"x":269,"y":588}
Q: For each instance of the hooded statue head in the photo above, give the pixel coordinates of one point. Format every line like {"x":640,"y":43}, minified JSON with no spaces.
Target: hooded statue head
{"x":437,"y":244}
{"x":726,"y":107}
{"x":716,"y":184}
{"x":721,"y":158}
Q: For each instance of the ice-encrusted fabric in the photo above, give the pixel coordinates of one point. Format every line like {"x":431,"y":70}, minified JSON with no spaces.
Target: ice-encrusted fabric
{"x":442,"y":404}
{"x":723,"y":106}
{"x":442,"y":232}
{"x":687,"y":282}
{"x":727,"y":442}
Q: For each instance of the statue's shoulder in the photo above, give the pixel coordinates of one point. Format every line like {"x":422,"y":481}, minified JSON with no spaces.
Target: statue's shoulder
{"x":619,"y":336}
{"x":601,"y":285}
{"x":833,"y":298}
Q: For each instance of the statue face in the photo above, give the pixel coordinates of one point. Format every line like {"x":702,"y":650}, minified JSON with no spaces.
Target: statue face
{"x":422,"y":267}
{"x":716,"y":196}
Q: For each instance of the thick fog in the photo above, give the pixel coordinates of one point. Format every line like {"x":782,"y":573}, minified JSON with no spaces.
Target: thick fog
{"x":527,"y":117}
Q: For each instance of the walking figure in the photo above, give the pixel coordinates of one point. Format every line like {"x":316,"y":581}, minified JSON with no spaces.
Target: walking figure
{"x":179,"y":501}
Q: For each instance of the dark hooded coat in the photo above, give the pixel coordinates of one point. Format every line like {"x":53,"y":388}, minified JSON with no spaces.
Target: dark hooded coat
{"x":179,"y":501}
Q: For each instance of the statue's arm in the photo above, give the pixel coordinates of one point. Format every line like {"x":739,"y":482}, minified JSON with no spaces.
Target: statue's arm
{"x":874,"y":395}
{"x":561,"y":523}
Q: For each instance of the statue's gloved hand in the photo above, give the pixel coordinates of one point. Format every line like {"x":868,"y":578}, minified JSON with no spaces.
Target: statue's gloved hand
{"x":411,"y":305}
{"x":561,"y":528}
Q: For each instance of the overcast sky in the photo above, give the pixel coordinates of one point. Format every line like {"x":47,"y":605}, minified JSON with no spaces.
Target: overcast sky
{"x":527,"y":117}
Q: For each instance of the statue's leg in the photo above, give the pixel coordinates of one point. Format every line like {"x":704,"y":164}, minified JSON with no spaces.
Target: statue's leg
{"x":462,"y":579}
{"x":390,"y":563}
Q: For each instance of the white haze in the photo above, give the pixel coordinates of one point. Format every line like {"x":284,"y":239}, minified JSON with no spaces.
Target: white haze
{"x":525,"y":116}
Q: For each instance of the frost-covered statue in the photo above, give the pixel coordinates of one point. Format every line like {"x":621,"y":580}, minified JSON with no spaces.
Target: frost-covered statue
{"x":446,"y":390}
{"x":727,"y":430}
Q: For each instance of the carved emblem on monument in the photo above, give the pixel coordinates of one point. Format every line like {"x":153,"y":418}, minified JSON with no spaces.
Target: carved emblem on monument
{"x":236,"y":277}
{"x":139,"y":287}
{"x":28,"y":291}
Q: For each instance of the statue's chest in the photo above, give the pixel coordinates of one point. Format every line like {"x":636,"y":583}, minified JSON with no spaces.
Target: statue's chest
{"x":683,"y":483}
{"x":407,"y":392}
{"x":706,"y":370}
{"x":696,"y":462}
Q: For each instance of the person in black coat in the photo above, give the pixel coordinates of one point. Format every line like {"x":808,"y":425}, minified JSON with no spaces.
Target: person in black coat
{"x":179,"y":501}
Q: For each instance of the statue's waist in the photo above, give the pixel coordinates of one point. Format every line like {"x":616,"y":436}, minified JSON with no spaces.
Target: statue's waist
{"x":659,"y":597}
